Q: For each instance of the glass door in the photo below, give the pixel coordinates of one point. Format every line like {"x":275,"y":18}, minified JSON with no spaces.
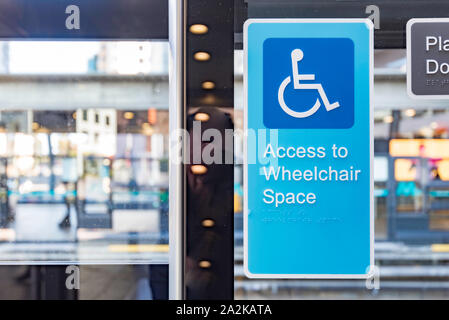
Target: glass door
{"x":84,"y":139}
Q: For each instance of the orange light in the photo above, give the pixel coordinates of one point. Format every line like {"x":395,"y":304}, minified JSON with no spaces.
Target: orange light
{"x":128,"y":115}
{"x":205,"y":264}
{"x":35,"y":126}
{"x":208,"y":85}
{"x":427,"y":148}
{"x":201,"y":56}
{"x":201,"y":116}
{"x":198,"y":28}
{"x":152,"y":116}
{"x":198,"y":169}
{"x":443,"y":170}
{"x":208,"y":223}
{"x":404,"y":170}
{"x":147,"y":129}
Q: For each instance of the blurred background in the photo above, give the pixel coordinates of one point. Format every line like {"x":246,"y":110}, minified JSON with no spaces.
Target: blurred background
{"x":84,"y":156}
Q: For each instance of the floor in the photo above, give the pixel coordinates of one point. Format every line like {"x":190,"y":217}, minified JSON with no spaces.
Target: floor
{"x":39,"y":223}
{"x":35,"y":236}
{"x":125,"y":282}
{"x":116,"y":282}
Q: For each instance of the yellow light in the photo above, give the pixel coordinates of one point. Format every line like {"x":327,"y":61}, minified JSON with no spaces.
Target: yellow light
{"x":443,"y":170}
{"x":7,"y":234}
{"x":427,"y":148}
{"x":208,"y":223}
{"x":205,"y":264}
{"x":147,"y":129}
{"x":74,"y":115}
{"x":405,"y":147}
{"x":208,"y":85}
{"x":198,"y":29}
{"x":410,"y":113}
{"x":201,"y":56}
{"x":138,"y":248}
{"x":201,"y":116}
{"x":198,"y":169}
{"x":440,"y":247}
{"x":388,"y":119}
{"x":404,"y":170}
{"x":128,"y":115}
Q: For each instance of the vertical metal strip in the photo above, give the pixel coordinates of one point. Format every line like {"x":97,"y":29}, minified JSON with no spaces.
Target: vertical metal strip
{"x":176,"y":14}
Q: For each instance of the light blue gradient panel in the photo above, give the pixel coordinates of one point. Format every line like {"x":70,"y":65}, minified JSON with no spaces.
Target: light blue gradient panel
{"x":331,"y":236}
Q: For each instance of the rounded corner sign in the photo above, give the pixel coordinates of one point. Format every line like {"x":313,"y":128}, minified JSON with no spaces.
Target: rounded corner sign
{"x":427,"y":63}
{"x":295,"y":56}
{"x":308,"y":210}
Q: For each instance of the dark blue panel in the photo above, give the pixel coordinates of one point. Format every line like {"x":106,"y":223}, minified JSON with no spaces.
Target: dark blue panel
{"x":99,"y":19}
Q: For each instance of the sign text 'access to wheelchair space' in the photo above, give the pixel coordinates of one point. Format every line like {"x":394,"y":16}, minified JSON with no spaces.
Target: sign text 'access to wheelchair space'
{"x":308,"y":149}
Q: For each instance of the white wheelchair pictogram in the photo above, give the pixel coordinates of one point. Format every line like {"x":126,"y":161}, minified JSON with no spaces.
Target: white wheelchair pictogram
{"x":297,"y":55}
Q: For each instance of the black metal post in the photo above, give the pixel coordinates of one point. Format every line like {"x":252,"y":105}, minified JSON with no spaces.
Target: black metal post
{"x":209,"y":261}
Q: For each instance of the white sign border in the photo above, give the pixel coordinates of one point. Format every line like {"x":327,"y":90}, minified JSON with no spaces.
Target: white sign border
{"x":371,"y":270}
{"x":408,"y":46}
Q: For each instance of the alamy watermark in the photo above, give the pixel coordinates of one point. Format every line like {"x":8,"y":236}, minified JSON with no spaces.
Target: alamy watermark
{"x":73,"y":19}
{"x":213,"y":146}
{"x":374,"y":15}
{"x":72,"y":281}
{"x":373,"y":281}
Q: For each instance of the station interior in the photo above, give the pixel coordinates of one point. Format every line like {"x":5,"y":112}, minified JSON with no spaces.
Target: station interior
{"x":85,"y":179}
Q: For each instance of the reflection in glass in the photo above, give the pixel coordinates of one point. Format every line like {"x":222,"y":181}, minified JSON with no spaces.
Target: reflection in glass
{"x":83,"y":152}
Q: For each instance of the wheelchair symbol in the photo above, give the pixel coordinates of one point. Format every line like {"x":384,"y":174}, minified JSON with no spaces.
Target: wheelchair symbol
{"x":297,"y":55}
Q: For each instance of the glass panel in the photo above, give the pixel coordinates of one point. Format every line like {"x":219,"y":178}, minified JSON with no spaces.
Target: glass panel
{"x":411,"y":185}
{"x":83,"y":152}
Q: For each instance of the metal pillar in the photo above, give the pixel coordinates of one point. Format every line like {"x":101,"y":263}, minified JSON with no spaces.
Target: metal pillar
{"x":209,"y":260}
{"x":176,"y":173}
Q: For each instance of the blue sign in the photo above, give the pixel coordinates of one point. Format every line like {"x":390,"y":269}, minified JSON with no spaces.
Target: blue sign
{"x":286,"y":69}
{"x":309,"y":148}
